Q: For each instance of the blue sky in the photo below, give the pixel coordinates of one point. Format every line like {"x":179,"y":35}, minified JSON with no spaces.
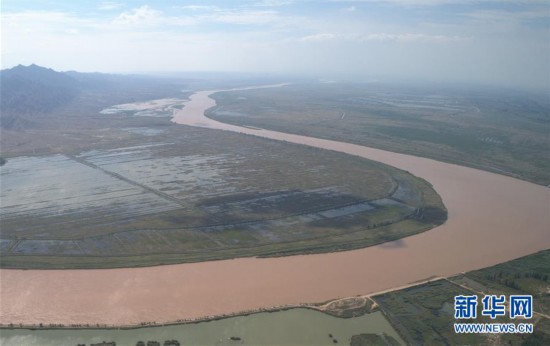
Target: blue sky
{"x":486,"y":41}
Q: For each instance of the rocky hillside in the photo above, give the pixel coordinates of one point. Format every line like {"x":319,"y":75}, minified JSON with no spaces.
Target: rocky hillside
{"x":35,"y":89}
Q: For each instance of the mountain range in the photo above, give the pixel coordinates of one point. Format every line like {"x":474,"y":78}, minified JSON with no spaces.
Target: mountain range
{"x":30,"y":93}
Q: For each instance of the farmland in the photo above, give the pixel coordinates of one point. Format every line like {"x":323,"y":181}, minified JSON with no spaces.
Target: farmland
{"x":432,"y":304}
{"x":498,"y":130}
{"x":146,"y":192}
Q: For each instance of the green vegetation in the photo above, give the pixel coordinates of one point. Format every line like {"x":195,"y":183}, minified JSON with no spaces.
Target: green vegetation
{"x":496,"y":130}
{"x":373,"y":340}
{"x":527,"y":275}
{"x":424,"y":314}
{"x":348,"y":307}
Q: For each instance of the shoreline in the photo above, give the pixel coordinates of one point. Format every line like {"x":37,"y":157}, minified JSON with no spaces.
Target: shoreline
{"x":143,"y":325}
{"x":315,"y":306}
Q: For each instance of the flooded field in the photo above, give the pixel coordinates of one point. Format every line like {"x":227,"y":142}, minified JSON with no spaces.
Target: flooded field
{"x":41,"y":195}
{"x":291,"y":327}
{"x":154,"y":108}
{"x":186,"y":195}
{"x":492,"y":218}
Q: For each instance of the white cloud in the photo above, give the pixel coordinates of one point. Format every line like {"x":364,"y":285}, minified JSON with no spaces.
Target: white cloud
{"x":409,"y":37}
{"x":243,"y":17}
{"x":274,"y":3}
{"x":143,"y":14}
{"x":109,"y":5}
{"x":149,"y":18}
{"x":317,"y":38}
{"x":493,"y":16}
{"x":350,"y":9}
{"x":29,"y":22}
{"x":383,"y":37}
{"x":39,"y":16}
{"x":199,"y":8}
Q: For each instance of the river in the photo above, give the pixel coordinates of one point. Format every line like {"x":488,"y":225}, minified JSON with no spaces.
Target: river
{"x":492,"y":219}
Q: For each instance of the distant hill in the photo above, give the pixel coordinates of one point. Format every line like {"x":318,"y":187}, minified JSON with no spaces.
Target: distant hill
{"x":34,"y":89}
{"x":31,"y":94}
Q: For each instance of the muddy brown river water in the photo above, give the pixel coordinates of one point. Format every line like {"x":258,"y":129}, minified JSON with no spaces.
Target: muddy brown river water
{"x":492,"y":219}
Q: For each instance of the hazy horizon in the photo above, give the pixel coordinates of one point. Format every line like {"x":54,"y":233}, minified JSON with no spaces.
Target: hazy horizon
{"x":504,"y":43}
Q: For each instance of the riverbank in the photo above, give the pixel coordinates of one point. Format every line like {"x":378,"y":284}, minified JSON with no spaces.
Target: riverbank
{"x":321,"y":307}
{"x":289,"y":327}
{"x":151,"y":324}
